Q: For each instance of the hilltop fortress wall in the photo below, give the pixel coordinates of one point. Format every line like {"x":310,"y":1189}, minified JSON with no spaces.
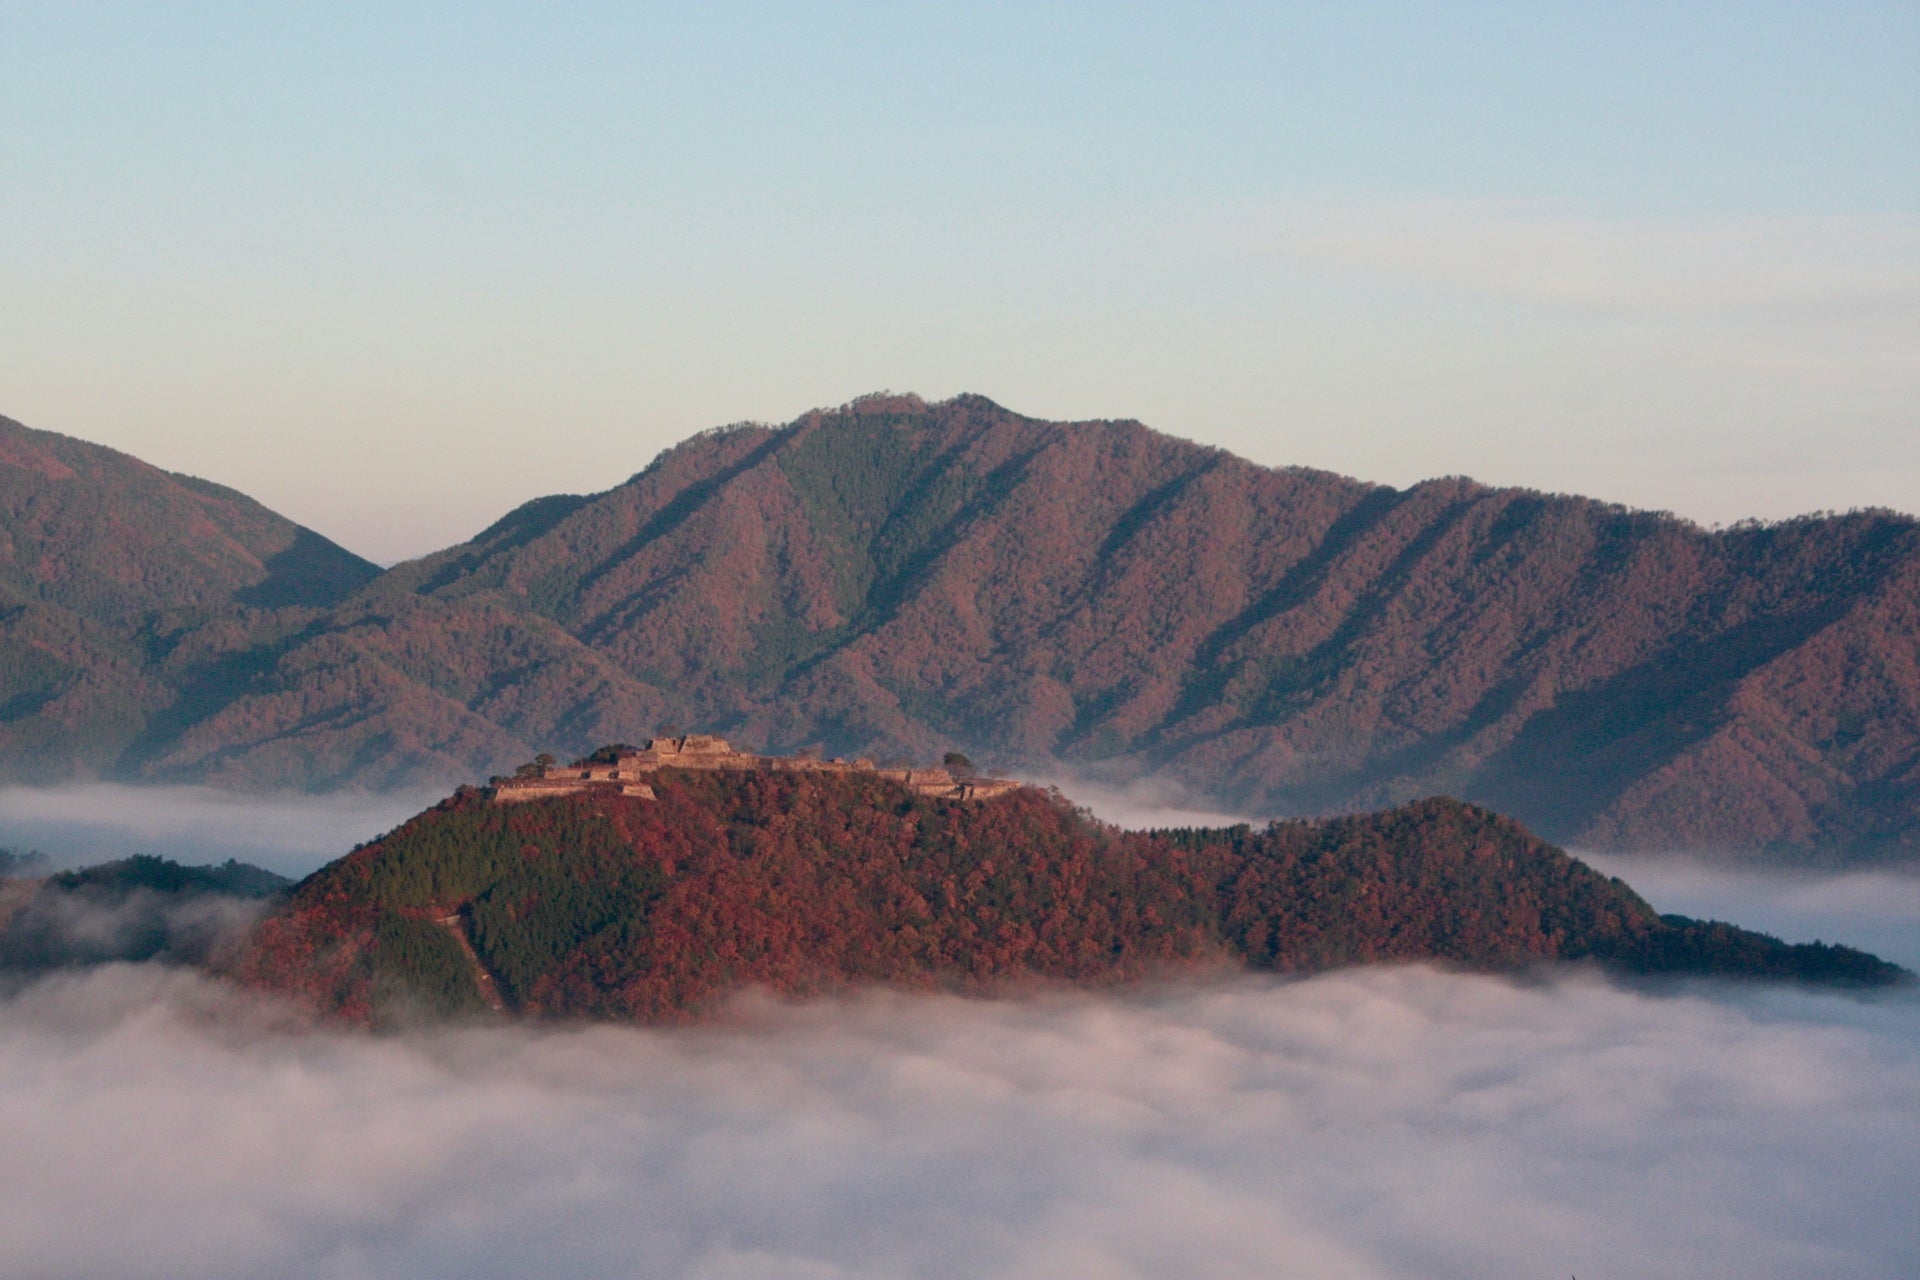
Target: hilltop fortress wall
{"x":628,"y":772}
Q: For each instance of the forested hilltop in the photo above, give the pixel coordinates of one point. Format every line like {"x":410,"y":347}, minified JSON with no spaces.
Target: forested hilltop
{"x":133,"y":909}
{"x":896,"y":578}
{"x":608,"y":906}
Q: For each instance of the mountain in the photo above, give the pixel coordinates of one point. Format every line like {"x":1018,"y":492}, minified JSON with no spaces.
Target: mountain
{"x":896,"y":578}
{"x":119,"y":585}
{"x":605,"y":906}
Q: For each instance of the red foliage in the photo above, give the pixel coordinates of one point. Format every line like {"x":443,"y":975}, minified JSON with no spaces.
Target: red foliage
{"x":807,"y":882}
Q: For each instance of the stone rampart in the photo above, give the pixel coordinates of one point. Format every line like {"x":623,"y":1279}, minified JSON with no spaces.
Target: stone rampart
{"x":625,"y":771}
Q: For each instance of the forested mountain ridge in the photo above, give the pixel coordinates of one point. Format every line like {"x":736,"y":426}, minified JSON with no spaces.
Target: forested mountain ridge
{"x":898,"y":578}
{"x":121,"y":585}
{"x":117,"y":541}
{"x":654,"y":909}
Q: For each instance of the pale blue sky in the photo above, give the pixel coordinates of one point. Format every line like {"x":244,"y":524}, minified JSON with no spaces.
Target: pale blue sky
{"x":360,"y":260}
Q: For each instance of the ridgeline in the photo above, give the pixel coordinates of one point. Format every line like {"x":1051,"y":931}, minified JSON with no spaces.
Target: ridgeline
{"x":894,"y":578}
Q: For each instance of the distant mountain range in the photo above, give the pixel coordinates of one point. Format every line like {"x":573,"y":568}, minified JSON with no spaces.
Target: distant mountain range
{"x":896,"y":578}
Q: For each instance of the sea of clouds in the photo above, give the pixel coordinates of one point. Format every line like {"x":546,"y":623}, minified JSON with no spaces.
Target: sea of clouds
{"x":1400,"y":1122}
{"x":291,"y":834}
{"x":1378,"y":1123}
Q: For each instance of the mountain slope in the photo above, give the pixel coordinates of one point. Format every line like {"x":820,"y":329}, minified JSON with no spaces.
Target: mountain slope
{"x":654,"y":909}
{"x":115,"y":577}
{"x":134,"y":909}
{"x":113,"y":540}
{"x":899,"y":578}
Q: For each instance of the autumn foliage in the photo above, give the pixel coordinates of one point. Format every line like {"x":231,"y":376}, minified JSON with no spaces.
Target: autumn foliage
{"x":898,"y":578}
{"x":608,"y":907}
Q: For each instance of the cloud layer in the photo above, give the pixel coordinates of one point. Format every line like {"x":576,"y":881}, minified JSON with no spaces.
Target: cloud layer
{"x":1370,"y":1124}
{"x":1386,"y":1123}
{"x":58,"y":928}
{"x":1877,"y":911}
{"x":290,"y":834}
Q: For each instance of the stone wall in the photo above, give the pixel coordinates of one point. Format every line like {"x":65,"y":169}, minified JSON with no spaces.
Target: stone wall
{"x":626,"y":773}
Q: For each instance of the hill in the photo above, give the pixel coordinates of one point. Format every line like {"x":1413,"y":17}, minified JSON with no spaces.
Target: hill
{"x":896,"y":579}
{"x":133,"y":909}
{"x":606,"y":906}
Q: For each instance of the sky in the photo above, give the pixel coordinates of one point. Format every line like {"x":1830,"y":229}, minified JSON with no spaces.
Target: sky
{"x":393,"y":269}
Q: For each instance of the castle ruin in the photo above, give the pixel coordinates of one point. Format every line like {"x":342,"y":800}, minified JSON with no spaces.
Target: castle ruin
{"x":629,"y":772}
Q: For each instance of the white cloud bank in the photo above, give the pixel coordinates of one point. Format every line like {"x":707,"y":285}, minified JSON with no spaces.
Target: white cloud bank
{"x":1877,"y":911}
{"x":1385,"y":1123}
{"x":290,"y":834}
{"x":1144,"y":803}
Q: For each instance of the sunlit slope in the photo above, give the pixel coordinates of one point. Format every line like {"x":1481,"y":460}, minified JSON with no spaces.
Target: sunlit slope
{"x":125,"y":591}
{"x":799,"y":883}
{"x":898,"y":578}
{"x":401,"y":692}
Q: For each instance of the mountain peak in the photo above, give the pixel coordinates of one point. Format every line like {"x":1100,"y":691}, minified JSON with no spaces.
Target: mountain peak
{"x":900,"y":578}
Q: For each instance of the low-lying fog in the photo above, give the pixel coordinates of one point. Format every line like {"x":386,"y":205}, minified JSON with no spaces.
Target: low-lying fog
{"x":1877,"y":911}
{"x":1374,"y":1123}
{"x":290,"y":834}
{"x":1394,"y":1122}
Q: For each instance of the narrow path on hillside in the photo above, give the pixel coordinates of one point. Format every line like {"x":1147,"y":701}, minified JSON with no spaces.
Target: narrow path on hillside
{"x":456,"y":924}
